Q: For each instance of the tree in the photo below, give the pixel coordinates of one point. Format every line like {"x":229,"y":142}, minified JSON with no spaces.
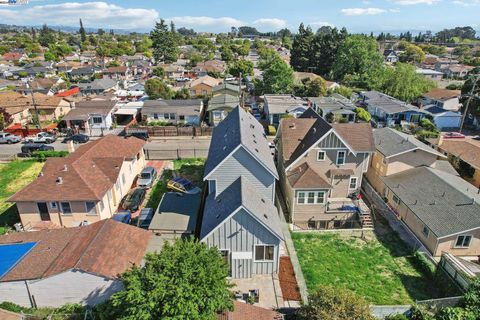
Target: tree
{"x":474,"y":106}
{"x":241,"y":67}
{"x":227,"y":53}
{"x":83,"y":34}
{"x":471,"y":299}
{"x":46,"y":36}
{"x":186,"y":280}
{"x":156,"y":88}
{"x":2,"y":122}
{"x":334,"y":303}
{"x":311,"y":88}
{"x":164,"y":43}
{"x":301,"y":53}
{"x":277,"y":77}
{"x":158,"y":72}
{"x":245,"y":30}
{"x":182,"y":94}
{"x":356,"y":56}
{"x":50,"y":56}
{"x":363,"y":114}
{"x":326,"y":43}
{"x":412,"y":53}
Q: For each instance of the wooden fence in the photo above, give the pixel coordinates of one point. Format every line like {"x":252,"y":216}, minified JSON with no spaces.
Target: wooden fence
{"x":172,"y":131}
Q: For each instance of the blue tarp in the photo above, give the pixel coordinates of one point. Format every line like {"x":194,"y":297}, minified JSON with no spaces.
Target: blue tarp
{"x":11,"y":254}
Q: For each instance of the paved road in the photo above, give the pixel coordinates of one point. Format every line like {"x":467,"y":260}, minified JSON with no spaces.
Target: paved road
{"x":171,"y":143}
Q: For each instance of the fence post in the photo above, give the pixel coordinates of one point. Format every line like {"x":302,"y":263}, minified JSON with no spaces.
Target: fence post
{"x":194,"y":155}
{"x":178,"y":154}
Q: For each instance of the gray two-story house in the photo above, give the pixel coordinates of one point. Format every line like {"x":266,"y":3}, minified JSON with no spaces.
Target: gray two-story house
{"x":239,"y":216}
{"x":321,"y":167}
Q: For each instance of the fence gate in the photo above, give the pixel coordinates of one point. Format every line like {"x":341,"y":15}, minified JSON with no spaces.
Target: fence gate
{"x":175,"y":154}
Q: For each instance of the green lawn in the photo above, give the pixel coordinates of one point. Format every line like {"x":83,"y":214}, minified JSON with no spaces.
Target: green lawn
{"x":13,"y":177}
{"x":192,"y":169}
{"x":378,"y":266}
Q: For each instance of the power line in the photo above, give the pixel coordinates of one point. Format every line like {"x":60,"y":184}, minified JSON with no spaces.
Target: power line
{"x":468,"y":101}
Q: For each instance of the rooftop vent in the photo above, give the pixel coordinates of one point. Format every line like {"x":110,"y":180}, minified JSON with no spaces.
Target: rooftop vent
{"x":292,"y":126}
{"x":256,"y":150}
{"x":40,"y":174}
{"x":65,"y":167}
{"x":252,"y":126}
{"x":217,"y":216}
{"x":254,"y":141}
{"x":263,"y":200}
{"x":59,"y":180}
{"x":265,"y":216}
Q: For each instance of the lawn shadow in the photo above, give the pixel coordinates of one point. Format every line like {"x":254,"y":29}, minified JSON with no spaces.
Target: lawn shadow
{"x":9,"y":217}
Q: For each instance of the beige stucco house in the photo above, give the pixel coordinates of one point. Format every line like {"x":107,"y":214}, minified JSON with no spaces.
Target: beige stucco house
{"x":203,"y":86}
{"x":320,"y":166}
{"x":88,"y":185}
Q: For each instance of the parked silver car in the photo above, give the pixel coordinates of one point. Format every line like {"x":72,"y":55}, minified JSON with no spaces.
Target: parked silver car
{"x":9,"y":138}
{"x":147,"y":177}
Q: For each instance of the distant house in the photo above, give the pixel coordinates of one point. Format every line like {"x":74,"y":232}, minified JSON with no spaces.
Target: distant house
{"x":51,"y":268}
{"x":444,"y":119}
{"x":219,"y":106}
{"x":13,"y":56}
{"x":49,"y":108}
{"x":41,"y":85}
{"x":397,"y":152}
{"x":173,"y":111}
{"x":92,"y":117}
{"x":391,"y":56}
{"x":86,"y":186}
{"x":340,"y":108}
{"x":239,"y":216}
{"x":203,"y":68}
{"x":117,"y":73}
{"x":98,"y":86}
{"x":301,"y":76}
{"x":83,"y":72}
{"x":441,"y":209}
{"x":389,"y":110}
{"x":320,"y":165}
{"x":277,"y":106}
{"x":227,"y":88}
{"x":442,"y":98}
{"x":203,"y":86}
{"x":430,"y":74}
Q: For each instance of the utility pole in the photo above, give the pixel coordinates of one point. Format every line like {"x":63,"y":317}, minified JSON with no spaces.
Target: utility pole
{"x":468,"y":101}
{"x":34,"y":105}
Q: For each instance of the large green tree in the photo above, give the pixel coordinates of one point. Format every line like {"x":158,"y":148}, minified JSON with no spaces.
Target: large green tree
{"x":186,"y":280}
{"x":83,"y":34}
{"x":356,"y":56}
{"x":326,"y":43}
{"x":302,"y":51}
{"x":156,"y":88}
{"x":164,"y":43}
{"x":277,"y":76}
{"x":241,"y":67}
{"x":334,"y":303}
{"x":474,"y":106}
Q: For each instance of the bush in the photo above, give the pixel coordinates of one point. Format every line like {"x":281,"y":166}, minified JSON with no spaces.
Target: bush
{"x":472,"y":297}
{"x":42,"y":156}
{"x":455,"y":314}
{"x":425,"y":264}
{"x":10,"y":306}
{"x":159,"y":123}
{"x":272,"y":131}
{"x":396,"y":317}
{"x":363,"y":114}
{"x":428,"y":125}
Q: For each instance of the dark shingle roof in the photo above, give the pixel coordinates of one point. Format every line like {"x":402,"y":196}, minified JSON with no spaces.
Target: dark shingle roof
{"x":391,"y":142}
{"x":223,"y":100}
{"x":446,"y":203}
{"x":240,"y":193}
{"x":177,"y":212}
{"x":239,"y":128}
{"x":387,"y":103}
{"x":182,"y":107}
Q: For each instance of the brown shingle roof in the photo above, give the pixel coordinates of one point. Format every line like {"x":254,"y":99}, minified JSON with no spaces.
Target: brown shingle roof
{"x":358,"y":136}
{"x":306,"y":177}
{"x":120,"y":69}
{"x":207,"y":80}
{"x":443,"y":94}
{"x":245,"y":311}
{"x":14,"y":99}
{"x":465,"y":150}
{"x":91,"y":171}
{"x":106,"y":248}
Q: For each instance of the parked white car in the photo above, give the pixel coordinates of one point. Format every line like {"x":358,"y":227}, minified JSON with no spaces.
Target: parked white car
{"x":41,"y":137}
{"x":9,"y":138}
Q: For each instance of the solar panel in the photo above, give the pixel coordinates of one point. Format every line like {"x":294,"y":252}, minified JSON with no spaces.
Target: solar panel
{"x":11,"y":254}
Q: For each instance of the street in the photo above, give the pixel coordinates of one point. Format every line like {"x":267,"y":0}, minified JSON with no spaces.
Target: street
{"x":157,"y":143}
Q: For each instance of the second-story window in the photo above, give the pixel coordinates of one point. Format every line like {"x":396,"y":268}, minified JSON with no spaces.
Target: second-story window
{"x":321,"y":156}
{"x":341,"y":157}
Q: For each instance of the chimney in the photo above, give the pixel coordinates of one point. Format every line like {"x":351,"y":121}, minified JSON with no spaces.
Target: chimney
{"x":292,"y":126}
{"x":70,"y":146}
{"x":59,"y":180}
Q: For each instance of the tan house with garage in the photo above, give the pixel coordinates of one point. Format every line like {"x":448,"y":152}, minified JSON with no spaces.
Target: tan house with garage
{"x":84,"y":187}
{"x":321,"y":166}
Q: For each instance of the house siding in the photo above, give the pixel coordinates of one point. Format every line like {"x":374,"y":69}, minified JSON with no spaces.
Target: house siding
{"x":240,"y":233}
{"x":242,"y":164}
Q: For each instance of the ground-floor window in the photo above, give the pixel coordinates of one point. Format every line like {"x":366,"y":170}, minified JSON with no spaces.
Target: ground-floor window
{"x":65,"y":206}
{"x":463,"y":241}
{"x":264,"y":252}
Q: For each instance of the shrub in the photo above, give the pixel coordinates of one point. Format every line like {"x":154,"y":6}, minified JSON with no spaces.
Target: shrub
{"x":472,"y":297}
{"x":363,"y":114}
{"x":396,"y":317}
{"x":272,"y":131}
{"x":428,"y":125}
{"x":425,"y":264}
{"x":42,"y":156}
{"x":455,"y":314}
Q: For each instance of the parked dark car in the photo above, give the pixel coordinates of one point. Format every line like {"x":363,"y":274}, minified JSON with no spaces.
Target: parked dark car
{"x":140,"y":134}
{"x":183,"y":185}
{"x":76,"y":138}
{"x":123,"y":217}
{"x":145,"y":217}
{"x":29,"y":148}
{"x":133,"y":199}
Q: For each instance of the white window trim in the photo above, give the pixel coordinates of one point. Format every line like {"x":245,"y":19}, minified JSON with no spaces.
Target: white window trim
{"x":53,"y":205}
{"x":393,"y":199}
{"x":324,"y":155}
{"x":315,"y":198}
{"x":350,"y":183}
{"x":462,"y":247}
{"x":61,"y":208}
{"x":344,"y":158}
{"x":94,"y":207}
{"x":263,"y":245}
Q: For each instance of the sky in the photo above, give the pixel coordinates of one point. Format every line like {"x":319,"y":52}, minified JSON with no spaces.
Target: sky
{"x":266,"y":15}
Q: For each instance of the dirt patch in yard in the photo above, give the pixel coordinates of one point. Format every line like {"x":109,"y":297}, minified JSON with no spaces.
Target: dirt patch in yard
{"x":288,"y":282}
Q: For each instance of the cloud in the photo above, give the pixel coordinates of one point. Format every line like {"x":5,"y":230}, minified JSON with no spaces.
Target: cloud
{"x":202,"y":21}
{"x":319,"y":24}
{"x":414,"y":2}
{"x":270,"y":23}
{"x":467,"y":3}
{"x":362,"y":11}
{"x":93,"y":14}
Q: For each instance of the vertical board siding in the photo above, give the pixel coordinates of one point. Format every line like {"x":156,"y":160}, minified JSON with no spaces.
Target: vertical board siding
{"x":331,"y":141}
{"x":241,"y":163}
{"x":241,"y":233}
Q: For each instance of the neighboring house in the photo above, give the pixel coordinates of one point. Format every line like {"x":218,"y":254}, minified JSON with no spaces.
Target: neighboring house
{"x":467,"y":151}
{"x":430,"y":74}
{"x":331,"y":85}
{"x":49,"y":108}
{"x":442,"y":98}
{"x":83,"y":72}
{"x":98,"y":86}
{"x":93,"y":114}
{"x":203,"y":86}
{"x":51,"y":268}
{"x":441,"y":209}
{"x":117,"y":73}
{"x":86,"y":186}
{"x":173,"y":111}
{"x":227,"y":88}
{"x":219,"y":106}
{"x":41,"y":85}
{"x":277,"y":106}
{"x":14,"y":107}
{"x":239,"y":216}
{"x":389,"y":110}
{"x":444,"y":119}
{"x":14,"y":56}
{"x":35,"y":71}
{"x":320,"y":166}
{"x":340,"y":108}
{"x":391,"y":56}
{"x":299,"y":77}
{"x":203,"y":68}
{"x":397,"y":152}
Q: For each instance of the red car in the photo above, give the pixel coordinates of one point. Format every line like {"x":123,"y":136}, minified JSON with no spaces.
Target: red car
{"x":453,"y":135}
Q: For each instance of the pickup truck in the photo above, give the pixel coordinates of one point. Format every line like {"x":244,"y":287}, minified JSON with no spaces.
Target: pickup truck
{"x":9,"y":138}
{"x":41,"y":137}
